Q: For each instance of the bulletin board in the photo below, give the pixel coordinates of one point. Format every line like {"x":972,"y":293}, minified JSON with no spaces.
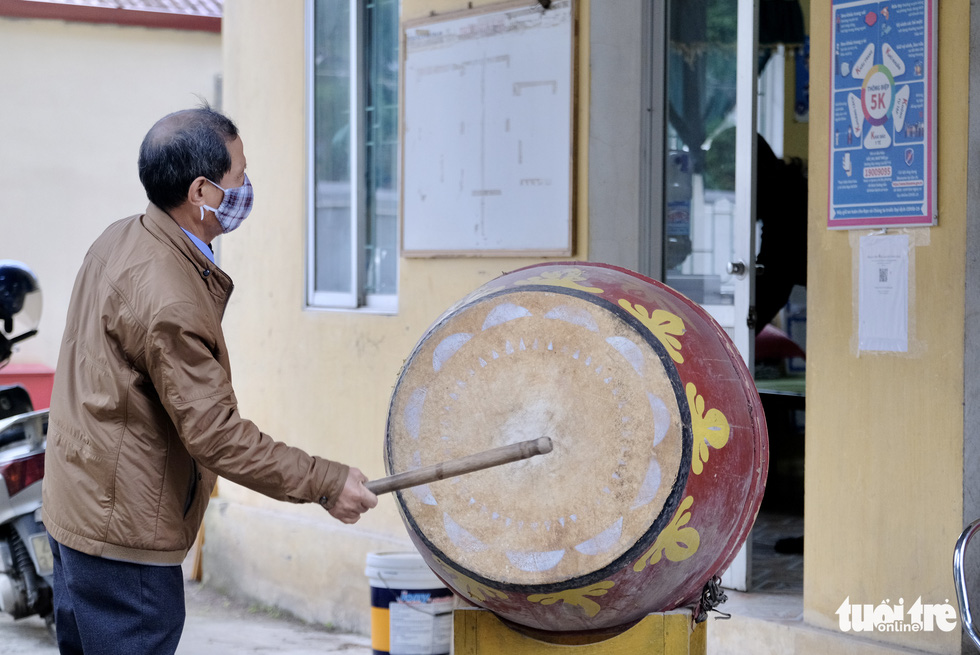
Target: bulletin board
{"x":487,"y":132}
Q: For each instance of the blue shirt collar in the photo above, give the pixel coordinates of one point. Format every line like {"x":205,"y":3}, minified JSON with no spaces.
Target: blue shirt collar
{"x":203,"y":247}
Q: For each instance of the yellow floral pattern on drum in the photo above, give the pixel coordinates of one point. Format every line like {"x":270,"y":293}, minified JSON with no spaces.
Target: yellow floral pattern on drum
{"x":710,"y":428}
{"x":676,"y":542}
{"x":577,"y":597}
{"x":664,"y":325}
{"x":473,"y":589}
{"x":566,"y":277}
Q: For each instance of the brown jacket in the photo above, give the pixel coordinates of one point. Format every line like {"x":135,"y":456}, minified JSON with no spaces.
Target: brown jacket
{"x":143,"y":414}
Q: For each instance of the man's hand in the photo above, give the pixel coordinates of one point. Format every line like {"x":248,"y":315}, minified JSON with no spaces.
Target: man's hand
{"x":354,"y":500}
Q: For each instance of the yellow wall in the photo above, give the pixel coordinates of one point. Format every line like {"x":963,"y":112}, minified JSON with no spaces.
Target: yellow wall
{"x":77,"y":100}
{"x":320,"y":380}
{"x":883,"y":502}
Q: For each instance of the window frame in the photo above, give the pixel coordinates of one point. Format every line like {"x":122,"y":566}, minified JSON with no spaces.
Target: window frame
{"x":355,"y":298}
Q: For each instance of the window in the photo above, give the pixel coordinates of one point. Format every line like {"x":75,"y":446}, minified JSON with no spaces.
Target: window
{"x":352,"y":259}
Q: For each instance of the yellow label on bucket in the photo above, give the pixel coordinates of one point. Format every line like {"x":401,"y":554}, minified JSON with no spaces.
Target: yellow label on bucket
{"x":380,"y":639}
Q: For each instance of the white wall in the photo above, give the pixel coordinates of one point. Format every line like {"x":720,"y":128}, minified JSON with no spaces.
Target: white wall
{"x":75,"y":102}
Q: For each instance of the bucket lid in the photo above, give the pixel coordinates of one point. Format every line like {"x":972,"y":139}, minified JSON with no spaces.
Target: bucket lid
{"x":401,"y":570}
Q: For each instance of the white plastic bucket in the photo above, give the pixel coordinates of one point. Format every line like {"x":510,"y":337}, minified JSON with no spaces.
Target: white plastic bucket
{"x":411,"y":609}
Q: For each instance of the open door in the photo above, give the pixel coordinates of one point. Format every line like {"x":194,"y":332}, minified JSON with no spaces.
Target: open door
{"x":709,"y":164}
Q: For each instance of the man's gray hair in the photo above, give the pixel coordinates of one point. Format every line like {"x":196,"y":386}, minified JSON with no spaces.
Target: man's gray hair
{"x":181,"y":147}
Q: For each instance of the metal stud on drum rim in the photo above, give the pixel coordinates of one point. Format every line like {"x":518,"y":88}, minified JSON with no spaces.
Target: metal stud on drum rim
{"x":649,"y":407}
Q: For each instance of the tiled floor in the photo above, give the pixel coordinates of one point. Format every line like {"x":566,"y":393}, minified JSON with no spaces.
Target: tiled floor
{"x":772,"y":571}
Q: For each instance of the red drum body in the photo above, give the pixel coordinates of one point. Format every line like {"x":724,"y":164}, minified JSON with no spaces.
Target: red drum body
{"x":660,"y":447}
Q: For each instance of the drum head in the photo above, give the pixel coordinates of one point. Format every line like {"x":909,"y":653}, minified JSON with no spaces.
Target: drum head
{"x":541,"y":361}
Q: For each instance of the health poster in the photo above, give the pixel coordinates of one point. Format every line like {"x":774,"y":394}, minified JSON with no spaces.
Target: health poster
{"x":883,"y":119}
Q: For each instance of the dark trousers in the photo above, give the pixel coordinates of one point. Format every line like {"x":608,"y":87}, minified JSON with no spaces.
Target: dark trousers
{"x":105,"y":607}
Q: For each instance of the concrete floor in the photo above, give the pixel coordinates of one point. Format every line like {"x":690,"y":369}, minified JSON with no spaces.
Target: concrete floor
{"x":775,"y":572}
{"x":216,"y":625}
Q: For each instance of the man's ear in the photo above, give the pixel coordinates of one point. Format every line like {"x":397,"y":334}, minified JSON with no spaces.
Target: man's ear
{"x":195,"y":193}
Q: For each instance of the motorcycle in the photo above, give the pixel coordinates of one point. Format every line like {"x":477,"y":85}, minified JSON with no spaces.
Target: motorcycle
{"x":26,"y":562}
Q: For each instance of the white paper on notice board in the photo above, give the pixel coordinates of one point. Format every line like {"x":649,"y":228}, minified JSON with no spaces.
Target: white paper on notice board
{"x":883,"y":293}
{"x":488,"y":133}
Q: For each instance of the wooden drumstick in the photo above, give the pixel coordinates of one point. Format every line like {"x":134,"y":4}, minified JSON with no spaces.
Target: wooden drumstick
{"x":468,"y":464}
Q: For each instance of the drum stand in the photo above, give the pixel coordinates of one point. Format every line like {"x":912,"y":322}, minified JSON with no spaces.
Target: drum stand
{"x":480,"y":632}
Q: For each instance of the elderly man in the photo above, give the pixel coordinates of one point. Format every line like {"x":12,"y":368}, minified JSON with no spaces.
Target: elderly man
{"x":143,"y":413}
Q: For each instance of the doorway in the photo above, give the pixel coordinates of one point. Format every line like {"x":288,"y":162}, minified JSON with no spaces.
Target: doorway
{"x":629,"y":194}
{"x":734,"y":230}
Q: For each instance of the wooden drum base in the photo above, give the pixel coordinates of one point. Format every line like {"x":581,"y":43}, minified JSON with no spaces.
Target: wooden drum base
{"x":480,"y":632}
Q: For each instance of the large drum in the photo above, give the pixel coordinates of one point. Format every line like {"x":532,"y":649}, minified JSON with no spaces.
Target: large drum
{"x":660,"y":447}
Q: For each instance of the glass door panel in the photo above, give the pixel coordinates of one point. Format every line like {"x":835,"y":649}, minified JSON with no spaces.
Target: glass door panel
{"x":700,"y":153}
{"x":709,"y":163}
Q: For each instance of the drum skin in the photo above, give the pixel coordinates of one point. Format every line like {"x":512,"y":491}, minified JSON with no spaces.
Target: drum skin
{"x":660,"y":447}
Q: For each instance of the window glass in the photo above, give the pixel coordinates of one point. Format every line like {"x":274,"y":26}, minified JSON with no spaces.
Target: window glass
{"x":355,"y":152}
{"x":332,"y":151}
{"x":381,"y":144}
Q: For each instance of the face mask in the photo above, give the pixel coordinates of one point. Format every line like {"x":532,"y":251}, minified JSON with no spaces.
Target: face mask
{"x":234,"y":207}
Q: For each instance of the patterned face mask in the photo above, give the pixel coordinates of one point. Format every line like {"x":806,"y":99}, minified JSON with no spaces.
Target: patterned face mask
{"x":234,"y":207}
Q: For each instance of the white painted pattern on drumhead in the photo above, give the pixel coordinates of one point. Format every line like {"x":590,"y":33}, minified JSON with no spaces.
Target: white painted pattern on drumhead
{"x":412,"y":416}
{"x":504,"y":312}
{"x":661,"y":418}
{"x":461,"y":538}
{"x":447,"y":348}
{"x":424,"y":494}
{"x":630,"y":352}
{"x":603,"y":541}
{"x":573,"y":315}
{"x":650,"y":487}
{"x":535,"y":561}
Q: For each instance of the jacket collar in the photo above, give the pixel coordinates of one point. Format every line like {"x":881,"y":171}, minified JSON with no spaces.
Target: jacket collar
{"x":162,"y":226}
